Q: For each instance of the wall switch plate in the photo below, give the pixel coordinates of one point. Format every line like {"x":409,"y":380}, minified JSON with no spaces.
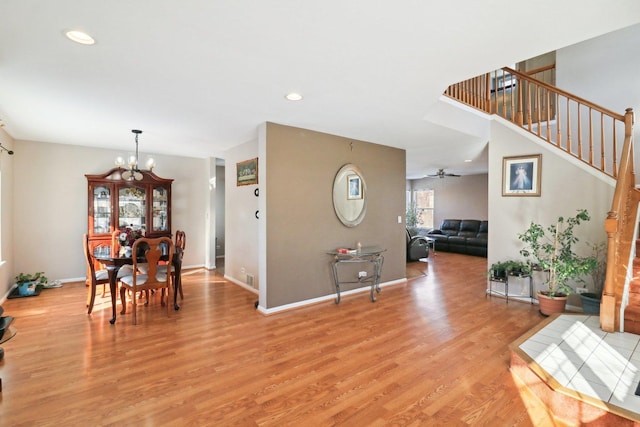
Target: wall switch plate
{"x":399,"y":219}
{"x":582,"y":290}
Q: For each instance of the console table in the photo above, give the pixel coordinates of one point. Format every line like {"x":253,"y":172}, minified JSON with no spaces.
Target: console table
{"x":365,"y":255}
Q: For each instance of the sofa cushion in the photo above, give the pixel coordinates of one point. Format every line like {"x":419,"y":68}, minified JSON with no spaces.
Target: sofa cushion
{"x":457,"y":240}
{"x":476,"y":241}
{"x":450,"y":227}
{"x":469,"y":226}
{"x":483,"y":233}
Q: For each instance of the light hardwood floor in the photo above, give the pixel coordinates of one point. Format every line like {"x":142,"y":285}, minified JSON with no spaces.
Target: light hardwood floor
{"x":433,"y":351}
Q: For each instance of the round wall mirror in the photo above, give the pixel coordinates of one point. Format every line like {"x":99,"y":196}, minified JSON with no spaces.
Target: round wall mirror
{"x":350,"y":195}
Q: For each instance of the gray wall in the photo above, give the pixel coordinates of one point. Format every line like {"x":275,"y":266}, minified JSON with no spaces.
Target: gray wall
{"x":300,"y":222}
{"x":462,"y":198}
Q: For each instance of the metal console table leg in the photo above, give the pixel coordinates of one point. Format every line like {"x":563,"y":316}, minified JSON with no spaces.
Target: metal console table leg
{"x":367,"y":255}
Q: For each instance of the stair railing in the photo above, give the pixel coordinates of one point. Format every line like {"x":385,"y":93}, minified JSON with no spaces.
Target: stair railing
{"x":584,"y":130}
{"x":579,"y":127}
{"x":620,"y":228}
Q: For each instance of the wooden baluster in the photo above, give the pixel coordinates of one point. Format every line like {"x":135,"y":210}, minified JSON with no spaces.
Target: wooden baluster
{"x":568,"y":126}
{"x":579,"y":132}
{"x":520,"y":121}
{"x":501,"y":91}
{"x":559,"y":122}
{"x":548,"y":101}
{"x":514,"y":87}
{"x":538,"y":107}
{"x":494,"y":95}
{"x":487,"y":93}
{"x":466,"y":90}
{"x":472,"y":91}
{"x":603,"y":166}
{"x":529,"y":105}
{"x":590,"y":136}
{"x":615,"y":151}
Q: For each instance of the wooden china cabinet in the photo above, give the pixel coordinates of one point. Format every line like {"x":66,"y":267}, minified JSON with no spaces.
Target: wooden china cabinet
{"x":116,"y":203}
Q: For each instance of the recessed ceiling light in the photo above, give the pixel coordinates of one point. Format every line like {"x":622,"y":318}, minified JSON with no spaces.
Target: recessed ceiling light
{"x":468,"y":161}
{"x":294,"y":96}
{"x":79,"y":37}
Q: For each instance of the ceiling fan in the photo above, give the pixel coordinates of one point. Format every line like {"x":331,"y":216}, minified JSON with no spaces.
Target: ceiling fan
{"x":441,"y":174}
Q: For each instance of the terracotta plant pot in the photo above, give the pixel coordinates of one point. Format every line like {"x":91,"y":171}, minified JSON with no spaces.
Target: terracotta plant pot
{"x":549,"y":306}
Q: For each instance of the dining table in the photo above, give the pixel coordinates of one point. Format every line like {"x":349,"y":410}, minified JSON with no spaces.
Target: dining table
{"x":113,"y":265}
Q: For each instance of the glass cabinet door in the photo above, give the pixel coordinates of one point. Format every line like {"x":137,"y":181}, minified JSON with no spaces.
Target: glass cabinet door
{"x":132,"y":208}
{"x":101,"y":209}
{"x":160,"y":209}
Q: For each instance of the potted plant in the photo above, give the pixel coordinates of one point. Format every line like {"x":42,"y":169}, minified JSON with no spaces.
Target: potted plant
{"x":551,"y":250}
{"x":412,"y":215}
{"x":591,"y":300}
{"x":500,"y":269}
{"x":27,"y":282}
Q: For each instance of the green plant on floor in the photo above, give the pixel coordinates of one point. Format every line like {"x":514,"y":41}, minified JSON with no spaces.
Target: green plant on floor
{"x":501,"y":269}
{"x":39,"y":278}
{"x":551,"y":249}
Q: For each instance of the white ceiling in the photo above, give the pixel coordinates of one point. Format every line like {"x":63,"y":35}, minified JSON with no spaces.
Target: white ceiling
{"x":199,"y":76}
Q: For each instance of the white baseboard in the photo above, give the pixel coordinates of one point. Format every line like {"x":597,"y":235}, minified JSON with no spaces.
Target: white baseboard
{"x":324,"y":298}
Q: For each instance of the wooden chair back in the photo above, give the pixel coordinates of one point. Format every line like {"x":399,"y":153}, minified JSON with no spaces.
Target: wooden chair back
{"x":154,"y":250}
{"x":92,"y":281}
{"x":115,"y":242}
{"x":181,"y":239}
{"x":181,"y":242}
{"x":89,"y":259}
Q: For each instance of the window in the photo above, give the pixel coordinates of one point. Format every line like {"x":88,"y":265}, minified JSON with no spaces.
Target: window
{"x":423,"y":200}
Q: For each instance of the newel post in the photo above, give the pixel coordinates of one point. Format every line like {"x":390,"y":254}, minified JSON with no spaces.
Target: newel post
{"x":608,"y":302}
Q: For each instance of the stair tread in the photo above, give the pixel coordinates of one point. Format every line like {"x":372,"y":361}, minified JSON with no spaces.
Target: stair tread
{"x":632,"y":311}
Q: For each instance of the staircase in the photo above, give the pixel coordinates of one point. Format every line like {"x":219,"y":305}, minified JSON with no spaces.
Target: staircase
{"x":594,"y":135}
{"x":632,"y":312}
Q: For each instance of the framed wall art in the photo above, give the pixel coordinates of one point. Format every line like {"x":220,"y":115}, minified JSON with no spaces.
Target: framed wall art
{"x":521,"y":175}
{"x":247,"y":172}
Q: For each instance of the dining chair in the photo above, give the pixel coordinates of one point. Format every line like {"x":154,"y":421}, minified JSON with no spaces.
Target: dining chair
{"x":98,"y":276}
{"x":181,"y":242}
{"x":153,"y":279}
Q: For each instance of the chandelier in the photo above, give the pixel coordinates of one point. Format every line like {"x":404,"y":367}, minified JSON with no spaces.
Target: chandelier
{"x":134,"y":171}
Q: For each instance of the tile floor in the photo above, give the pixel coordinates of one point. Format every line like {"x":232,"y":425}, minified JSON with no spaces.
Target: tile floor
{"x":582,"y":357}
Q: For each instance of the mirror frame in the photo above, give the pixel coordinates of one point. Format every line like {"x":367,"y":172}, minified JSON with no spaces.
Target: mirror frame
{"x":350,"y":211}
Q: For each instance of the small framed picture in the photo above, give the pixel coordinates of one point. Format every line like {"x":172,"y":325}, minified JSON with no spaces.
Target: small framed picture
{"x":247,"y":172}
{"x":354,"y":189}
{"x":521,"y":175}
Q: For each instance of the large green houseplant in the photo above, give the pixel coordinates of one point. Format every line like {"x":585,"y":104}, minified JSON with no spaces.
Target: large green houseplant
{"x":551,"y":249}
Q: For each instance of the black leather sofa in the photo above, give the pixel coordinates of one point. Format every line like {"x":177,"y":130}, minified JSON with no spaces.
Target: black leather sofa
{"x":464,"y":236}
